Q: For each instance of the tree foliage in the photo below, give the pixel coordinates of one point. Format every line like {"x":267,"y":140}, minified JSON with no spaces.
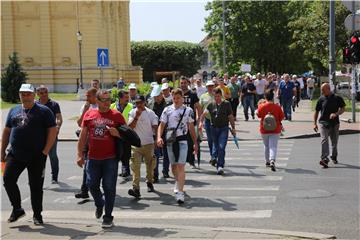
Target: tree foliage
{"x":11,"y":80}
{"x":277,"y":36}
{"x":166,"y":56}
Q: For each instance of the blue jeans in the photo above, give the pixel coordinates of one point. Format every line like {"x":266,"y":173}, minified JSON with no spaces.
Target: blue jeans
{"x":220,"y":137}
{"x":107,"y":171}
{"x":286,"y":104}
{"x":207,"y":126}
{"x":249,"y":102}
{"x":158,"y":153}
{"x":54,"y":161}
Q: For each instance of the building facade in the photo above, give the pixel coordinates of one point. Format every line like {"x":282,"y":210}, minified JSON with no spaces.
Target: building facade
{"x":44,"y":34}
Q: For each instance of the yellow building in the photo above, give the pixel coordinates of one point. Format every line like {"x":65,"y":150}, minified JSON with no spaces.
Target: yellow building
{"x":44,"y":36}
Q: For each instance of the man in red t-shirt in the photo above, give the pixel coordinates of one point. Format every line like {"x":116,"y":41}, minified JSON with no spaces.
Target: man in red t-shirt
{"x":99,"y":125}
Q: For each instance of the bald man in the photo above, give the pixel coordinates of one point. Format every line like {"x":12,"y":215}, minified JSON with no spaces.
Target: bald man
{"x":331,"y":107}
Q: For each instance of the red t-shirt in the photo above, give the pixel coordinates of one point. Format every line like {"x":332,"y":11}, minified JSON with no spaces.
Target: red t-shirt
{"x":276,"y":110}
{"x":101,"y":143}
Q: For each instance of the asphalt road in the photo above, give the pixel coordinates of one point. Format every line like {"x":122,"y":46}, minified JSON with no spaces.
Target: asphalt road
{"x":300,"y":196}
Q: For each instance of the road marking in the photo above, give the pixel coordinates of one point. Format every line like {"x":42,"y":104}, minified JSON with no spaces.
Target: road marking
{"x":75,"y":178}
{"x":183,"y":214}
{"x":253,"y":153}
{"x":25,"y":199}
{"x":189,"y":188}
{"x":244,"y":178}
{"x":241,"y":158}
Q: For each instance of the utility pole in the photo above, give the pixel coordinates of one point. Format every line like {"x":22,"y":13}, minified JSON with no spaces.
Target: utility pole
{"x":332,"y":61}
{"x":353,"y":68}
{"x":223,"y":32}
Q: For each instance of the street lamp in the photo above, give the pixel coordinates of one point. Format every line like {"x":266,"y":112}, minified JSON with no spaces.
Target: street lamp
{"x":79,"y":38}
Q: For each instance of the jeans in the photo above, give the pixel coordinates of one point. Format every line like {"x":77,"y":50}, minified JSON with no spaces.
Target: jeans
{"x":54,"y":161}
{"x":207,"y":126}
{"x":220,"y":137}
{"x":286,"y":104}
{"x":35,"y":164}
{"x":183,"y":150}
{"x":249,"y":102}
{"x":270,"y":145}
{"x":234,"y":104}
{"x":158,"y":153}
{"x":105,"y":170}
{"x":146,"y":152}
{"x":325,"y":133}
{"x":258,"y":97}
{"x":310,"y":92}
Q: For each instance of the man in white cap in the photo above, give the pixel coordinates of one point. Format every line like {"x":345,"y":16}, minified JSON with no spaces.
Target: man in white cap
{"x":132,"y":93}
{"x":152,"y":85}
{"x":29,"y":120}
{"x":165,"y":89}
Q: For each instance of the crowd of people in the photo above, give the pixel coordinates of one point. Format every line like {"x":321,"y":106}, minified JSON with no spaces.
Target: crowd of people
{"x":168,"y":121}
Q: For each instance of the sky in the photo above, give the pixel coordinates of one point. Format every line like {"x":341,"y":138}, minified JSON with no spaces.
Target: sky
{"x":174,"y":20}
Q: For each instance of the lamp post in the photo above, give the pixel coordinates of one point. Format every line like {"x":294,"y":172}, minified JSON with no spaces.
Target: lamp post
{"x":79,"y":38}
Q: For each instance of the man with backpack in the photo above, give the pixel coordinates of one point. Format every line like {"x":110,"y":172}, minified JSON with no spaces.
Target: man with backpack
{"x":271,"y":116}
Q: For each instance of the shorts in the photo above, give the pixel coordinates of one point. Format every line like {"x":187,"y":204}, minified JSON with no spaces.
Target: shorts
{"x":183,"y":149}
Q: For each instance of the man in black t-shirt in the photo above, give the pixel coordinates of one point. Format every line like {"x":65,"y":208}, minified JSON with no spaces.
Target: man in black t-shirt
{"x":331,"y":107}
{"x":191,"y":100}
{"x":248,"y":93}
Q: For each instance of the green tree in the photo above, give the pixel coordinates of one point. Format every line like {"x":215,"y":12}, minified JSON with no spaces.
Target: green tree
{"x":11,"y":80}
{"x":310,"y":27}
{"x":166,"y":56}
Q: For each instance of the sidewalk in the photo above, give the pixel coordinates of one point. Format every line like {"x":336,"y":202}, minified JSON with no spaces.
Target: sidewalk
{"x":300,"y":127}
{"x":70,"y":228}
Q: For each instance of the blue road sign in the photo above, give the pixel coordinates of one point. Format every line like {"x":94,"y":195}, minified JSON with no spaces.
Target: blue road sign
{"x":102,"y":57}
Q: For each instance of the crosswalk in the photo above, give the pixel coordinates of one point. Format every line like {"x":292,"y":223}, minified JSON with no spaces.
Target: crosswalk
{"x":247,"y":190}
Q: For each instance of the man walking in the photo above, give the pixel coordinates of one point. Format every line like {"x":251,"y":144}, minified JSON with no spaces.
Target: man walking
{"x":248,"y":93}
{"x":235,"y":94}
{"x":144,"y":121}
{"x":331,"y":107}
{"x":99,"y":126}
{"x":286,"y":92}
{"x":179,"y":120}
{"x":33,"y":121}
{"x":43,"y":94}
{"x":221,"y":115}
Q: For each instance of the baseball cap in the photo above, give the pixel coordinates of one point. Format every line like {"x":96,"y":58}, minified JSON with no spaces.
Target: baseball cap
{"x":153,"y":84}
{"x":26,"y":87}
{"x":132,"y":86}
{"x":156,"y":91}
{"x":139,"y":98}
{"x":165,"y":86}
{"x":210,"y":83}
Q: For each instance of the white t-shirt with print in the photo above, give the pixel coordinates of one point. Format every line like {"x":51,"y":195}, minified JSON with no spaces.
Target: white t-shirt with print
{"x":260,"y":86}
{"x":144,"y":125}
{"x":172,"y":116}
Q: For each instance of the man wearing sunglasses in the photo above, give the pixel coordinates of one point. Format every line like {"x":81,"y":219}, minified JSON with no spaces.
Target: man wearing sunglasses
{"x":99,"y":125}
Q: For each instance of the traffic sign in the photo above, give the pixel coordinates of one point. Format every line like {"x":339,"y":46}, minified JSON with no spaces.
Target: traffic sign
{"x":102,"y":57}
{"x":349,"y":19}
{"x":348,"y":5}
{"x":245,"y":67}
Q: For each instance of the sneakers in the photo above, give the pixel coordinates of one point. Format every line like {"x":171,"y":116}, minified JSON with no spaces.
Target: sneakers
{"x":213,"y":162}
{"x":98,"y":212}
{"x":166,"y":175}
{"x":176,"y":187}
{"x":82,"y":195}
{"x":107,"y":223}
{"x":180,"y":197}
{"x":267,"y":163}
{"x":150,"y":187}
{"x":272,"y":165}
{"x":334,"y":159}
{"x":134,"y":192}
{"x":220,"y":171}
{"x":38,"y":220}
{"x":324,"y":162}
{"x":16,"y":214}
{"x":126,"y":176}
{"x":54,"y":181}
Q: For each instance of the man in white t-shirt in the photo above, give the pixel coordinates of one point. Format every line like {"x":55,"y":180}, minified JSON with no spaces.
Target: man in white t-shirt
{"x":310,"y":87}
{"x":200,"y":89}
{"x":144,"y":121}
{"x":260,"y":85}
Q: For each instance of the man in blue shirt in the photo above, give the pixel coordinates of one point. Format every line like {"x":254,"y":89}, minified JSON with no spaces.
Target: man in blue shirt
{"x":31,"y":130}
{"x":43,"y":94}
{"x":286,"y":92}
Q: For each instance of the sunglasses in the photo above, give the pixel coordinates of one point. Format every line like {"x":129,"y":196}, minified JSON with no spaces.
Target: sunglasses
{"x":104,"y":99}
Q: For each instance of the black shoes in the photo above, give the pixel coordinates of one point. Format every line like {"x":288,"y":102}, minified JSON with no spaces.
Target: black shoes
{"x":38,"y":220}
{"x":267,"y":164}
{"x":213,"y":162}
{"x":98,"y":212}
{"x":272,"y":166}
{"x":16,"y":214}
{"x":324,"y":162}
{"x":107,"y":223}
{"x":150,"y":187}
{"x":334,"y":159}
{"x":134,"y":192}
{"x":82,"y":195}
{"x":166,"y":175}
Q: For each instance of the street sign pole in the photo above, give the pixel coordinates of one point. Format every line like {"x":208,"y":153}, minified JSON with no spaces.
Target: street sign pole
{"x":102,"y":61}
{"x":353,"y":72}
{"x":332,"y":61}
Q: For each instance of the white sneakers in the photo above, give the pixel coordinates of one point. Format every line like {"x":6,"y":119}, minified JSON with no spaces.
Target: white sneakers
{"x":220,"y":171}
{"x":176,"y":188}
{"x":180,"y":197}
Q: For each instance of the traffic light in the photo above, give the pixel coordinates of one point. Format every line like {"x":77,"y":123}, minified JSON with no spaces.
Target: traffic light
{"x":354,"y":49}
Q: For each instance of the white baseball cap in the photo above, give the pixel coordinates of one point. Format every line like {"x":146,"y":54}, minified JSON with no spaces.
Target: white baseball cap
{"x":132,"y":86}
{"x":25,"y":87}
{"x":164,"y":86}
{"x":210,"y":83}
{"x":156,"y":91}
{"x":153,"y":84}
